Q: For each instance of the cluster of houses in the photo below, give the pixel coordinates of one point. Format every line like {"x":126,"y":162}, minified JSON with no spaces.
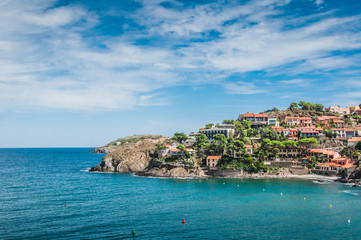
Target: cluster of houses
{"x":344,"y":111}
{"x":331,"y":162}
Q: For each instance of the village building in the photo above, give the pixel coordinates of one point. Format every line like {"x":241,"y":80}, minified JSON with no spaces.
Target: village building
{"x":327,"y":121}
{"x":358,"y":130}
{"x":341,"y":133}
{"x":329,"y":155}
{"x":351,"y":142}
{"x":212,"y":161}
{"x":338,"y":123}
{"x":291,"y":152}
{"x":259,"y":120}
{"x":350,"y":133}
{"x":292,"y":121}
{"x":338,"y":109}
{"x":249,"y":149}
{"x":305,"y":121}
{"x":332,"y":168}
{"x":225,"y":129}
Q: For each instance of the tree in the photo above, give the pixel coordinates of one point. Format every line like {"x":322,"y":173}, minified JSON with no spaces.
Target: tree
{"x":182,"y":148}
{"x":180,"y":137}
{"x":308,"y":142}
{"x":301,"y":103}
{"x":318,"y":107}
{"x":228,"y":121}
{"x":209,"y":125}
{"x":201,"y":141}
{"x":358,"y":145}
{"x":219,"y":144}
{"x":293,"y":106}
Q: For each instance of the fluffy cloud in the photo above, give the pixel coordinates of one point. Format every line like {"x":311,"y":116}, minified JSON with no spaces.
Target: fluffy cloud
{"x":49,"y":59}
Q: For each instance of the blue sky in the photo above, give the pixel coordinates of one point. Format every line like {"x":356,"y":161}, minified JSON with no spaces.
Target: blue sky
{"x":82,"y":73}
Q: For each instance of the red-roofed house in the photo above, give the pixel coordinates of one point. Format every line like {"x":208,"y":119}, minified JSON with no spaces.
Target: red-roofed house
{"x":341,"y":133}
{"x":212,"y":161}
{"x":350,"y":133}
{"x":327,"y":121}
{"x":258,"y":120}
{"x":351,"y":142}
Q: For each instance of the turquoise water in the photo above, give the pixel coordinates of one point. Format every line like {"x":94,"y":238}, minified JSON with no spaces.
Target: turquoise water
{"x":37,"y":183}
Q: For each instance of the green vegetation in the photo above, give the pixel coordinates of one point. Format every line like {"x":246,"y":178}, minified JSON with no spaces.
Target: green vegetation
{"x":180,"y":137}
{"x":133,"y":139}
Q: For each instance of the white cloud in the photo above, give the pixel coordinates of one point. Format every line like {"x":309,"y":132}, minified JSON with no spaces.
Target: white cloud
{"x":243,"y":88}
{"x":47,"y":58}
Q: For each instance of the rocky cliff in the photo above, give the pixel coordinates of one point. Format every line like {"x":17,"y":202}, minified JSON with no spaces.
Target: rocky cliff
{"x":171,"y":171}
{"x":112,"y":146}
{"x":130,"y":157}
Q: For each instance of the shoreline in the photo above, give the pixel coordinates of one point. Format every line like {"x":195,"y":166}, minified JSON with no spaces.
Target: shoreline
{"x":243,"y":176}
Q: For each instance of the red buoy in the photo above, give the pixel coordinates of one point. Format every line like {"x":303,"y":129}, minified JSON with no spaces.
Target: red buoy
{"x":65,"y":204}
{"x":183,"y":221}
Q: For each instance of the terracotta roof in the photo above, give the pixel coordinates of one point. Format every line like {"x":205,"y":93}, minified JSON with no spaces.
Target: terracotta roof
{"x":307,"y":131}
{"x":248,"y":146}
{"x":214,"y":157}
{"x":350,"y":165}
{"x":338,"y":129}
{"x":175,"y":150}
{"x":354,"y":140}
{"x":305,"y":118}
{"x":254,"y":115}
{"x":349,"y":130}
{"x":327,"y":117}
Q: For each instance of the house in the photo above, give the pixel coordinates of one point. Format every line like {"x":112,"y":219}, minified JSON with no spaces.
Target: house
{"x":212,"y":161}
{"x":225,"y":129}
{"x":191,"y":139}
{"x":305,"y":121}
{"x":329,"y":169}
{"x":358,"y":130}
{"x":339,"y":123}
{"x":291,"y":152}
{"x":353,"y":108}
{"x":292,"y":121}
{"x":350,"y":133}
{"x":328,"y":154}
{"x":258,"y":120}
{"x":249,"y":149}
{"x":338,"y":109}
{"x":351,"y":142}
{"x":178,"y":152}
{"x":326,"y":121}
{"x":341,"y":133}
{"x":342,"y":161}
{"x":333,"y":168}
{"x":310,"y":131}
{"x":290,"y":133}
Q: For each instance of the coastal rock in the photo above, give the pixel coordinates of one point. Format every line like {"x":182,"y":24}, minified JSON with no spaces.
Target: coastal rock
{"x":130,"y":157}
{"x":173,"y":172}
{"x":104,"y":149}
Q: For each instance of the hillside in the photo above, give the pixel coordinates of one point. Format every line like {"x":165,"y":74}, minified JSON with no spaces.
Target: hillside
{"x":110,"y":147}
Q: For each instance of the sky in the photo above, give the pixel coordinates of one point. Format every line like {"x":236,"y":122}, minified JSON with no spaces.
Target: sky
{"x":82,"y":73}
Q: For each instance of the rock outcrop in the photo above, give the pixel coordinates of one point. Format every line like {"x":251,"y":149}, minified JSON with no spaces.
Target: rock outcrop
{"x":173,"y":172}
{"x":104,"y":149}
{"x":130,"y":157}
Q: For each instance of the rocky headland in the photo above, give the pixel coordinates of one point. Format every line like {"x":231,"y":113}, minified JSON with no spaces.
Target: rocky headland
{"x":128,"y":158}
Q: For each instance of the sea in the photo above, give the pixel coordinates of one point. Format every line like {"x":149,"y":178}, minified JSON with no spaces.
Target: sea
{"x":49,"y":194}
